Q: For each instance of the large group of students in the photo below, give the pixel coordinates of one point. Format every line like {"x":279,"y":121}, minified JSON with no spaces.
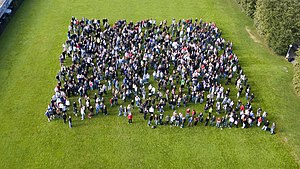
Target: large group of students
{"x":159,"y":68}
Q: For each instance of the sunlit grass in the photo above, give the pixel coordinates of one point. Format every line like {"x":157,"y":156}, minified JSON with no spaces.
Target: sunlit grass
{"x":29,"y":50}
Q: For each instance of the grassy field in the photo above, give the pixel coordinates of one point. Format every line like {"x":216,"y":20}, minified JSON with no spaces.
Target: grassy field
{"x":29,"y":50}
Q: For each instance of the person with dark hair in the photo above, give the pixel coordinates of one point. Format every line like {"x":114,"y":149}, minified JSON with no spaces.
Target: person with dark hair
{"x":64,"y":116}
{"x":200,"y":116}
{"x":150,"y":119}
{"x":206,"y":120}
{"x":196,"y":120}
{"x":105,"y":110}
{"x":212,"y":121}
{"x":266,"y":125}
{"x":75,"y":108}
{"x":161,"y":116}
{"x":188,"y":65}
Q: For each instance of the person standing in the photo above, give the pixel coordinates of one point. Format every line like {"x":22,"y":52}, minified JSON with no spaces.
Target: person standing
{"x":82,"y":111}
{"x":190,"y":119}
{"x":259,"y":121}
{"x":196,"y":119}
{"x":120,"y":110}
{"x":156,"y":119}
{"x":105,"y":110}
{"x":75,"y":108}
{"x":65,"y":117}
{"x":266,"y":125}
{"x":125,"y":111}
{"x":145,"y":113}
{"x":273,"y":128}
{"x":48,"y":116}
{"x":212,"y":120}
{"x":79,"y":102}
{"x":206,"y":121}
{"x":161,"y":116}
{"x":200,"y":116}
{"x":97,"y":106}
{"x":218,"y":122}
{"x":129,"y":118}
{"x":150,"y":119}
{"x":128,"y":109}
{"x":70,"y":122}
{"x":231,"y":121}
{"x":167,"y":120}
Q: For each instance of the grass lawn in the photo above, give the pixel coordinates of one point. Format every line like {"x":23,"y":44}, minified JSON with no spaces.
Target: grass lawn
{"x":29,"y":50}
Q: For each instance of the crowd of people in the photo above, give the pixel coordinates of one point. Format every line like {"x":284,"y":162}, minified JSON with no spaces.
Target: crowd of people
{"x":157,"y":68}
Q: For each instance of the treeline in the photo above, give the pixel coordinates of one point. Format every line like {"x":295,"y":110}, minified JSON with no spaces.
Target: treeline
{"x":296,"y":79}
{"x":277,"y":20}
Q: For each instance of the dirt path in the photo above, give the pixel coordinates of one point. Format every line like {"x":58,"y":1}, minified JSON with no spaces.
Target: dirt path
{"x":252,"y":36}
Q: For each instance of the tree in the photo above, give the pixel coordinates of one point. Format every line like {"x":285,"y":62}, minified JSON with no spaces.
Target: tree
{"x":249,"y":6}
{"x":278,"y":22}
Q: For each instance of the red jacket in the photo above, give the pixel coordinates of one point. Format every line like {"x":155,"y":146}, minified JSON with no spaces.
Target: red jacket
{"x":129,"y":116}
{"x":260,"y":119}
{"x":242,"y":108}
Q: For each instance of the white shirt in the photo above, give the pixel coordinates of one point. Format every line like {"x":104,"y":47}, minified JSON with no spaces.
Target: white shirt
{"x":151,"y":110}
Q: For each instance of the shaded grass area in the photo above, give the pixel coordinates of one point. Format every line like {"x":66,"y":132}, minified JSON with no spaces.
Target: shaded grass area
{"x":29,"y":50}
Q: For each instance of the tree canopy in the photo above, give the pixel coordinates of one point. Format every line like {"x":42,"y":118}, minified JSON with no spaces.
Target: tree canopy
{"x":277,"y":21}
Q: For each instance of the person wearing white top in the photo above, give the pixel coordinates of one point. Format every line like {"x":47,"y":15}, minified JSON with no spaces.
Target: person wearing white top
{"x":82,"y":111}
{"x":151,"y":110}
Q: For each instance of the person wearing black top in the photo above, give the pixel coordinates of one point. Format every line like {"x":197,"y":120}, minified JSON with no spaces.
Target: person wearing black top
{"x":132,"y":104}
{"x":161,"y":116}
{"x":200,"y":117}
{"x":206,"y":120}
{"x":150,"y":119}
{"x":266,"y":125}
{"x":65,"y":118}
{"x":104,"y":110}
{"x":75,"y":108}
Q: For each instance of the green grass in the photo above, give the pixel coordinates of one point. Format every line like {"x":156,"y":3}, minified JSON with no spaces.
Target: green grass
{"x":29,"y":50}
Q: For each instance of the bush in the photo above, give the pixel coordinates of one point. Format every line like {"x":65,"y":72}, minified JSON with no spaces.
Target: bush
{"x":249,"y":6}
{"x":296,"y":79}
{"x":278,"y":22}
